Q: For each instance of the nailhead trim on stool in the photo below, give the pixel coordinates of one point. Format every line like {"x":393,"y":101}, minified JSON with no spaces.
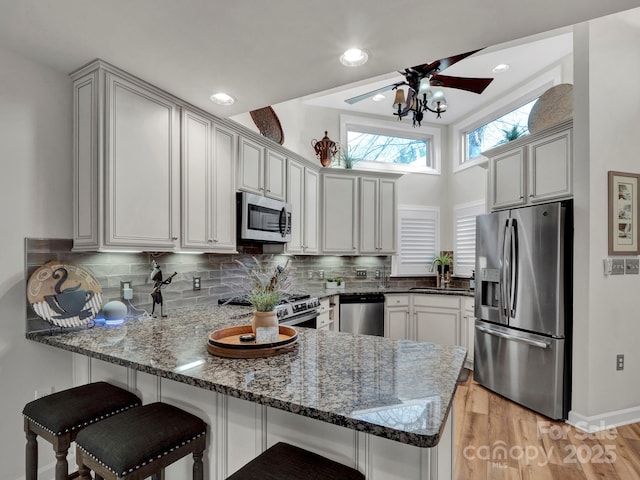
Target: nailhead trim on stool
{"x":288,"y":462}
{"x":59,"y":417}
{"x":144,"y":439}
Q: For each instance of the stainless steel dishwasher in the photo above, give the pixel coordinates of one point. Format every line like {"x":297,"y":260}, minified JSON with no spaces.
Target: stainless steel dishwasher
{"x":362,"y":313}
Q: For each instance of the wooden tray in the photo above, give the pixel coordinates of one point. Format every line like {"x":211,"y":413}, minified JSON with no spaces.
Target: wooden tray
{"x":226,"y":343}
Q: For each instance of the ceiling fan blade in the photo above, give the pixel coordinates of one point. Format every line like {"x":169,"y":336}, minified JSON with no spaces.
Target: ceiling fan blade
{"x":475,"y":85}
{"x":364,"y":96}
{"x":440,"y":65}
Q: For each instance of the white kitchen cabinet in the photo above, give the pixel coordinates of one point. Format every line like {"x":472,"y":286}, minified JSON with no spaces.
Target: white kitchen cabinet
{"x":424,"y":318}
{"x":126,"y":163}
{"x":339,"y":214}
{"x":378,"y":212}
{"x":468,"y":329}
{"x":208,"y":194}
{"x":532,"y":169}
{"x":303,"y":195}
{"x":324,"y":321}
{"x":437,"y":319}
{"x":261,"y":170}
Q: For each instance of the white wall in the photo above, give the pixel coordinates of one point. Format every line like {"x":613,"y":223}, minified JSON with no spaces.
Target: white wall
{"x":35,"y":201}
{"x":607,"y":308}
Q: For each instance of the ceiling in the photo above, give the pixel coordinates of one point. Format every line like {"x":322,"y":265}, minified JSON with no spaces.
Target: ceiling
{"x":264,"y":53}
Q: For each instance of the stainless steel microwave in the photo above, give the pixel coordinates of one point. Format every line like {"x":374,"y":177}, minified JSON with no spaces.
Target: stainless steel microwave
{"x":263,"y":219}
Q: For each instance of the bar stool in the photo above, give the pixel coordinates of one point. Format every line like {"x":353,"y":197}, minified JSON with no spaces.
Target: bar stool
{"x":59,"y":417}
{"x":141,"y":442}
{"x":288,"y":462}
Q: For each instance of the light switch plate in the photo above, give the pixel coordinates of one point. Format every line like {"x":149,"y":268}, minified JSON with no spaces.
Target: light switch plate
{"x":632,"y":266}
{"x":617,"y":266}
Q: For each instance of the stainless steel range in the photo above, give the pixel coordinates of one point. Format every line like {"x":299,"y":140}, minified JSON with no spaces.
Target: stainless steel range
{"x":300,"y":310}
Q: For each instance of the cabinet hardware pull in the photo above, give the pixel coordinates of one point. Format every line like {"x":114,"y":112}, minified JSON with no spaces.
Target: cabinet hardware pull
{"x":174,"y":238}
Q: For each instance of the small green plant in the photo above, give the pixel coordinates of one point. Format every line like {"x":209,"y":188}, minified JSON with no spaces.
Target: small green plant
{"x":516,"y":131}
{"x":344,"y":158}
{"x":442,"y":259}
{"x":265,"y":301}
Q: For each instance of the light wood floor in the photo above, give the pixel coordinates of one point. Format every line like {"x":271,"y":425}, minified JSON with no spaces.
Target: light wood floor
{"x":497,"y":439}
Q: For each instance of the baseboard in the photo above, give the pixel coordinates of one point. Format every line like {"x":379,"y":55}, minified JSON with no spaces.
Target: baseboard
{"x":596,"y":423}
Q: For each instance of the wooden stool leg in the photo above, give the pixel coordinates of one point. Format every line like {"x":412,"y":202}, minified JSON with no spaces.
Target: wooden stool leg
{"x":83,"y":472}
{"x":62,"y":466}
{"x":31,"y":456}
{"x":198,"y":469}
{"x":158,"y":476}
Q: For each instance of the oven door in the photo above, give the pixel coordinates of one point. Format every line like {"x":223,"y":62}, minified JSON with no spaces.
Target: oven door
{"x":263,"y":219}
{"x":308,"y":319}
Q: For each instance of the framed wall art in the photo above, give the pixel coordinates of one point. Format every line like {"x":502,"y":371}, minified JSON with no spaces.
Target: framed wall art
{"x":624,"y":203}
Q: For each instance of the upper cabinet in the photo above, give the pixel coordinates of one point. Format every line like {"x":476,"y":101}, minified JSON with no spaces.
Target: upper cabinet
{"x":261,"y":171}
{"x":126,"y":163}
{"x":359,"y":213}
{"x":208,"y":178}
{"x":378,"y":212}
{"x":532,"y":169}
{"x":303,"y":195}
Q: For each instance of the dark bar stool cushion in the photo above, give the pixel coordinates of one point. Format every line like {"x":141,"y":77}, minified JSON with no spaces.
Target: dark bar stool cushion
{"x":128,"y":441}
{"x":287,"y":462}
{"x":75,"y":408}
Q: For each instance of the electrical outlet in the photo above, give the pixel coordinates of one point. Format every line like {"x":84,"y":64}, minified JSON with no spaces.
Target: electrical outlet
{"x":361,"y":273}
{"x":617,"y":266}
{"x":620,"y":362}
{"x":377,"y":274}
{"x":632,"y":266}
{"x":321,"y":274}
{"x":126,"y":290}
{"x":196,"y":283}
{"x":310,"y":274}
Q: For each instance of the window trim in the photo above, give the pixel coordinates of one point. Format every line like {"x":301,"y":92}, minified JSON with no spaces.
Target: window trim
{"x":469,"y":209}
{"x":495,"y":109}
{"x":428,"y":211}
{"x":403,"y":129}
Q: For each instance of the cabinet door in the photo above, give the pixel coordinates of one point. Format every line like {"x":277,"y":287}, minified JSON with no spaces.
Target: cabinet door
{"x":550,"y":167}
{"x":507,"y":179}
{"x":296,"y":197}
{"x":311,"y":211}
{"x":398,"y":323}
{"x":275,"y":174}
{"x":436,"y":325}
{"x":196,"y":181}
{"x":224,"y":195}
{"x":142,"y":168}
{"x":250,"y":161}
{"x":339,"y":218}
{"x":369,"y":215}
{"x":388,"y":208}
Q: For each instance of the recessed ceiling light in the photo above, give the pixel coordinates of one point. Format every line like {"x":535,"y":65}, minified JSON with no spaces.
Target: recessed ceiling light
{"x":503,"y":67}
{"x":222,"y":99}
{"x":378,"y":98}
{"x":354,"y":57}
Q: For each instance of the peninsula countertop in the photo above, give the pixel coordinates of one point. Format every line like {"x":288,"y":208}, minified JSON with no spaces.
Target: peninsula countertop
{"x":397,"y":389}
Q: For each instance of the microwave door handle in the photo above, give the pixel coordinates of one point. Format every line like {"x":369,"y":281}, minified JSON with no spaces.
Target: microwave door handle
{"x":504,"y":284}
{"x":287,"y":225}
{"x":283,"y":229}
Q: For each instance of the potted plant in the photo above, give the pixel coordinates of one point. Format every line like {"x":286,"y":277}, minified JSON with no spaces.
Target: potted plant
{"x":266,"y":290}
{"x":442,"y":263}
{"x":337,"y":282}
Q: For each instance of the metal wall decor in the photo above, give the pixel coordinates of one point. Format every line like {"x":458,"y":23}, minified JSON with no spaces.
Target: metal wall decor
{"x":325,"y":149}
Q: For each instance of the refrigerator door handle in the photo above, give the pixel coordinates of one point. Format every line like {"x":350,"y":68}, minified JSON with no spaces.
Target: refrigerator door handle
{"x":505,"y":287}
{"x":506,"y":336}
{"x":515,"y":265}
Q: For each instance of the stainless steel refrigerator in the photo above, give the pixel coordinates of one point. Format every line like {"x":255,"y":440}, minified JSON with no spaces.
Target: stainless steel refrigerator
{"x":523,"y":305}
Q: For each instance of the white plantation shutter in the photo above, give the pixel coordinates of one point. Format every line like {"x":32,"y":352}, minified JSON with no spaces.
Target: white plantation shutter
{"x":418,"y":239}
{"x":464,"y":237}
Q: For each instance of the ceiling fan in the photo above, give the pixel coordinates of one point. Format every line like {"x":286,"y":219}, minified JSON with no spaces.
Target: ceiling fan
{"x":423,"y":93}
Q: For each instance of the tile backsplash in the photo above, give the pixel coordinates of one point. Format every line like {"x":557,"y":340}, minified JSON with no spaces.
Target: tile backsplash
{"x":220,"y":275}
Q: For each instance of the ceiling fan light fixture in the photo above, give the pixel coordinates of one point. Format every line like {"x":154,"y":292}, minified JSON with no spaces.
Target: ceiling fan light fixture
{"x":222,"y":98}
{"x":425,"y":87}
{"x":354,"y":57}
{"x":378,"y":97}
{"x":399,"y":100}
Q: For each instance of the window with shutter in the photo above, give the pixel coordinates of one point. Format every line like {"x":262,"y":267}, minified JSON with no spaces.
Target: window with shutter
{"x":464,"y":237}
{"x":418,"y":240}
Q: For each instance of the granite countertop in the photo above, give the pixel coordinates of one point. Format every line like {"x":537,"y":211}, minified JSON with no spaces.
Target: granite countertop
{"x":398,"y":389}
